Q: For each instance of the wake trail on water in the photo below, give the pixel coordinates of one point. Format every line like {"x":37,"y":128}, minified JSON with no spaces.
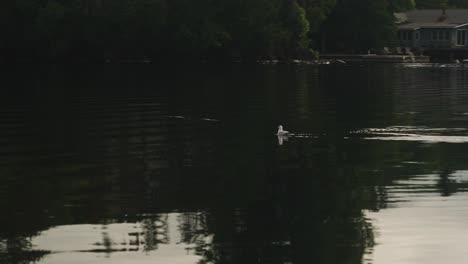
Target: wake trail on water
{"x":414,"y":133}
{"x":207,"y":119}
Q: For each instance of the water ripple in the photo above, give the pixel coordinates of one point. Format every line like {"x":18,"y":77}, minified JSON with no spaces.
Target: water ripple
{"x":413,"y":133}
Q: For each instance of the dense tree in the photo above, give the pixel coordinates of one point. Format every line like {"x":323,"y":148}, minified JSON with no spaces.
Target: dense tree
{"x":197,"y":30}
{"x":153,"y":29}
{"x":356,"y":26}
{"x":458,"y":3}
{"x":430,"y":4}
{"x":401,"y":5}
{"x":317,"y":11}
{"x":436,"y":4}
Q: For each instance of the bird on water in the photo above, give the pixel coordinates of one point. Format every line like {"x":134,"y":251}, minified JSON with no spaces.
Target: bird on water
{"x":282,"y":132}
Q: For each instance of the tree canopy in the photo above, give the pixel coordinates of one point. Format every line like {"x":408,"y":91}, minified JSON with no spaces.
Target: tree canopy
{"x":117,"y":30}
{"x":359,"y":25}
{"x":436,"y":4}
{"x":124,"y":29}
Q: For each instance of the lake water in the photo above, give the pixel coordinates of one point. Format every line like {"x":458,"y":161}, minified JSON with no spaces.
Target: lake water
{"x":140,"y":164}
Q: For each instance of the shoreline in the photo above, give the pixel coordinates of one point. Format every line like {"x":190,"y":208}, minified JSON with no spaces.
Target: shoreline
{"x":325,"y":59}
{"x":387,"y":58}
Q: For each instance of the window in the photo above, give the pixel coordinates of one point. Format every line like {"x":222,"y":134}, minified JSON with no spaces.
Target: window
{"x":416,"y":35}
{"x":461,"y":37}
{"x":441,"y":36}
{"x":447,"y":35}
{"x":405,"y":35}
{"x":434,"y":35}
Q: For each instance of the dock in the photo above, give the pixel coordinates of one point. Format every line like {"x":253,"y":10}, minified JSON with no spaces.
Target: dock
{"x":390,"y":58}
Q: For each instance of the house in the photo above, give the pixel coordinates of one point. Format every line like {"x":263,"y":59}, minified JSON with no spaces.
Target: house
{"x":431,"y":28}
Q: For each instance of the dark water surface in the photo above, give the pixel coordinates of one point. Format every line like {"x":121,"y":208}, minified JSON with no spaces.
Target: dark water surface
{"x":138,"y":164}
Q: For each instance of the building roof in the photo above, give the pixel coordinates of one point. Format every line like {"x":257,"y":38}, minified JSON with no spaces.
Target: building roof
{"x":432,"y":18}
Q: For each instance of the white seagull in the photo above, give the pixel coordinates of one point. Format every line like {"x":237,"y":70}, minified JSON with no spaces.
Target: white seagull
{"x":282,"y":132}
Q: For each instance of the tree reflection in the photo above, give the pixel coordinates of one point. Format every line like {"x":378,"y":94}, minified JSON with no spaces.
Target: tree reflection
{"x":306,"y":207}
{"x":240,"y":197}
{"x":155,"y":232}
{"x":18,"y":250}
{"x":446,"y":185}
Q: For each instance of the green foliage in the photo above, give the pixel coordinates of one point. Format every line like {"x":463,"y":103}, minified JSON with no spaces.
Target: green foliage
{"x":297,"y":22}
{"x":153,"y":29}
{"x":401,"y":5}
{"x":356,"y":26}
{"x":437,"y":4}
{"x":458,"y":3}
{"x":195,"y":30}
{"x":316,"y":13}
{"x":430,"y":4}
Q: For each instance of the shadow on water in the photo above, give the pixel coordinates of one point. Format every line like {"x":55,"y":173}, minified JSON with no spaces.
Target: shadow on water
{"x":124,"y":159}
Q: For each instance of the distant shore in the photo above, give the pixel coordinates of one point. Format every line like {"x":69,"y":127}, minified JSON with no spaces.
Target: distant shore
{"x":324,"y":59}
{"x":387,"y":58}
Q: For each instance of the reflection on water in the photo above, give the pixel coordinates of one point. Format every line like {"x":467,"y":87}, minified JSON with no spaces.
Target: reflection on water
{"x":420,"y":226}
{"x":135,"y":164}
{"x":122,"y":242}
